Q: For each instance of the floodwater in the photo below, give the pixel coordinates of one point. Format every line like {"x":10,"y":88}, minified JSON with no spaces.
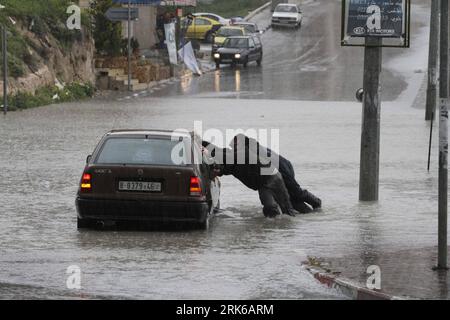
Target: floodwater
{"x":242,"y":255}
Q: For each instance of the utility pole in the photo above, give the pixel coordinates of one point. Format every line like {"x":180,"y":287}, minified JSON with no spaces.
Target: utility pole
{"x":433,"y":61}
{"x":370,"y":137}
{"x":5,"y":69}
{"x":443,"y":137}
{"x":129,"y":45}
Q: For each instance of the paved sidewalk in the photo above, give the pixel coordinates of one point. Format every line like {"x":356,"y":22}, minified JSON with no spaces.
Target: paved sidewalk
{"x":405,"y":274}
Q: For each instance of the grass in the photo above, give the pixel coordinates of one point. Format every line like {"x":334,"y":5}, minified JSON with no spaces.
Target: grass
{"x":42,"y":17}
{"x":230,"y":8}
{"x":49,"y":95}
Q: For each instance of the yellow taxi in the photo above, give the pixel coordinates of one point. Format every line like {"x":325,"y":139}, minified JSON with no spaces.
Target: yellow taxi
{"x":201,"y":28}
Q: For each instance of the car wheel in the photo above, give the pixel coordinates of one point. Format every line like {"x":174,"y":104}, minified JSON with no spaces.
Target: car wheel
{"x":85,"y":223}
{"x":209,"y":37}
{"x":259,"y":61}
{"x":204,"y":225}
{"x":245,"y":63}
{"x":217,"y":66}
{"x":217,"y":208}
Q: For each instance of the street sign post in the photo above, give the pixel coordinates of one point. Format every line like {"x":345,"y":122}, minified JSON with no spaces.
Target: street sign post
{"x":443,"y":137}
{"x":373,"y":24}
{"x":125,"y":14}
{"x":385,"y":19}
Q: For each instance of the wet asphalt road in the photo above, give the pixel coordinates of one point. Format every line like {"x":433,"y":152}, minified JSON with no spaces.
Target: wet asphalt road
{"x":308,"y":64}
{"x":242,"y":255}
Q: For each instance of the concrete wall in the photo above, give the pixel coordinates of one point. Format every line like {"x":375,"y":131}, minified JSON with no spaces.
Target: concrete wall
{"x":144,"y":30}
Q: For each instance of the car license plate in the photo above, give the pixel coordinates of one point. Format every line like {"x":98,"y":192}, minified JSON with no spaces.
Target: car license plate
{"x":227,"y":60}
{"x":140,"y":186}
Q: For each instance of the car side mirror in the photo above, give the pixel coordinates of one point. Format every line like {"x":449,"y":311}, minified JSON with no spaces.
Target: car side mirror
{"x":88,"y":159}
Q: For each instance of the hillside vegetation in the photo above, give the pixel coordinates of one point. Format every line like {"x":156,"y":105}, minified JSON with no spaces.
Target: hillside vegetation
{"x":42,"y":51}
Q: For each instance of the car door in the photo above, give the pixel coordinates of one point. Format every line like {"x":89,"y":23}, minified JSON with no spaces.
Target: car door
{"x":202,"y":26}
{"x":253,"y":50}
{"x":259,"y":51}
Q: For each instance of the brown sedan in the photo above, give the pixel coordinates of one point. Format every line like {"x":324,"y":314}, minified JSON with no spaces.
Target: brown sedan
{"x":148,"y":176}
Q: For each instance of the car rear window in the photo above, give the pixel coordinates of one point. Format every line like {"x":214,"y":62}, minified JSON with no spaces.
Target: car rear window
{"x":225,"y":32}
{"x":142,"y":151}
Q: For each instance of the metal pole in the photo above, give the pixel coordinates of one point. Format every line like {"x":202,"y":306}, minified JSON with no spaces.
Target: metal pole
{"x":129,"y":45}
{"x":443,"y":137}
{"x":370,"y":137}
{"x":5,"y":69}
{"x":433,"y":61}
{"x":431,"y":141}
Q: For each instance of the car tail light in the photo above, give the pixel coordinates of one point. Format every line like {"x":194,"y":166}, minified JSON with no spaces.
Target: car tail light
{"x":86,"y":183}
{"x":195,"y":187}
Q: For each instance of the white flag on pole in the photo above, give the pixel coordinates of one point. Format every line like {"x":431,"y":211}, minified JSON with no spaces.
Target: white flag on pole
{"x":187,"y":55}
{"x":171,"y":42}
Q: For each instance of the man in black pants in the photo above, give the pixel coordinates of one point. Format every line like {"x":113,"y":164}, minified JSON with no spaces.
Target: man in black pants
{"x":245,"y":165}
{"x":271,"y":192}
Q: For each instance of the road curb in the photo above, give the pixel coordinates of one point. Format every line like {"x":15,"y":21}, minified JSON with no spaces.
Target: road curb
{"x":256,"y":11}
{"x":347,"y":287}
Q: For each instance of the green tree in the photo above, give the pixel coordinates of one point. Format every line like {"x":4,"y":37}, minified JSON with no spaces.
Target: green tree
{"x":107,"y":34}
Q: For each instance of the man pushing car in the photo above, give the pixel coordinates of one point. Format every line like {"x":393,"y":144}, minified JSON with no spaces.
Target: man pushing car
{"x":253,"y":165}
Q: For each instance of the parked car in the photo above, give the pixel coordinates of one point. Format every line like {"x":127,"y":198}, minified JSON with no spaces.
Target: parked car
{"x":133,"y":176}
{"x":201,"y":28}
{"x":223,"y":33}
{"x":250,"y":27}
{"x":239,"y":50}
{"x":287,"y":15}
{"x":213,"y":16}
{"x":234,"y":20}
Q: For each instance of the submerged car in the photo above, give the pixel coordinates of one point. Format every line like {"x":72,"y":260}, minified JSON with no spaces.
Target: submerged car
{"x":239,"y":50}
{"x":147,"y":176}
{"x":287,"y":15}
{"x":223,"y":33}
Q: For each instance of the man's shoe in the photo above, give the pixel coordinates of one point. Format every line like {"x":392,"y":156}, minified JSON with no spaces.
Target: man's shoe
{"x":302,"y":207}
{"x":312,"y":200}
{"x":271,"y":212}
{"x":292,"y":212}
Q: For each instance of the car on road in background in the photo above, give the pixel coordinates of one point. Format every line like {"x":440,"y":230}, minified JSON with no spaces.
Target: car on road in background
{"x":234,"y":20}
{"x":223,"y":33}
{"x":200,"y":28}
{"x":239,"y":50}
{"x":250,"y":27}
{"x":147,"y":176}
{"x":287,"y":15}
{"x":213,"y":16}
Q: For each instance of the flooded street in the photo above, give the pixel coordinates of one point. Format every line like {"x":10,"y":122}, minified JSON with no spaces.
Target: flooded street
{"x":243,"y":255}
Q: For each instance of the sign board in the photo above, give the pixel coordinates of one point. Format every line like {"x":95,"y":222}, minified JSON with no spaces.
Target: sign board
{"x":179,"y":3}
{"x":121,"y":14}
{"x":141,"y":2}
{"x":385,"y":19}
{"x":171,"y":42}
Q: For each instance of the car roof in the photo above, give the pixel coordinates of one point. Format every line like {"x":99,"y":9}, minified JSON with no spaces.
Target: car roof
{"x":161,"y":133}
{"x":232,"y":27}
{"x":244,"y":23}
{"x":240,"y":37}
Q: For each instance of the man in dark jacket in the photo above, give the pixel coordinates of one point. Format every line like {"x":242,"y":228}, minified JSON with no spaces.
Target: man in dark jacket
{"x":279,"y":188}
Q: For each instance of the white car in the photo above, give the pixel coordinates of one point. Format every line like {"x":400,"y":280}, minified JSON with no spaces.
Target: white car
{"x":223,"y":21}
{"x":287,"y":15}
